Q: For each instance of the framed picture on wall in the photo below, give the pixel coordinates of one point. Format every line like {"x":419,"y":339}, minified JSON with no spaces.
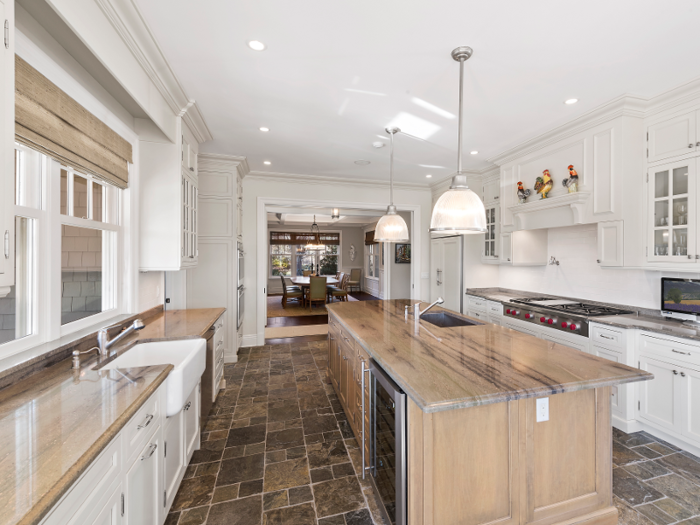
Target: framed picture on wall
{"x":403,"y":254}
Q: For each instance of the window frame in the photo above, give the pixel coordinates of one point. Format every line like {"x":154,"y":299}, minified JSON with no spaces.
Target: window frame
{"x":294,"y":254}
{"x":46,"y":246}
{"x":292,"y":258}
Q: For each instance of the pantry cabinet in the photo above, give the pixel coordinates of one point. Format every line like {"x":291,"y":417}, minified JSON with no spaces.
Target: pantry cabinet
{"x":673,"y":136}
{"x":169,"y":195}
{"x":672,"y":213}
{"x":7,"y":140}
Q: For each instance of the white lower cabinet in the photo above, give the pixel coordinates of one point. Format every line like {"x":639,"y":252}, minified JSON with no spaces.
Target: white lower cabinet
{"x":135,"y":478}
{"x":660,"y":400}
{"x":142,"y":485}
{"x":524,"y":327}
{"x":577,"y":342}
{"x":691,"y":411}
{"x":619,"y":392}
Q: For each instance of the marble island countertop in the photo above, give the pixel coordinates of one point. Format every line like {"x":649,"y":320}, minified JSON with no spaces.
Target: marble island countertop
{"x":54,"y":423}
{"x":456,"y":367}
{"x":642,"y":319}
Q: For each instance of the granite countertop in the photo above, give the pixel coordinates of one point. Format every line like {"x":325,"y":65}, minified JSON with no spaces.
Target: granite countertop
{"x":642,"y":319}
{"x":54,"y":423}
{"x":447,"y":368}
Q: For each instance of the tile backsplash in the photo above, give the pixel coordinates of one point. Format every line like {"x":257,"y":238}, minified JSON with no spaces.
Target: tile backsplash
{"x":579,"y":275}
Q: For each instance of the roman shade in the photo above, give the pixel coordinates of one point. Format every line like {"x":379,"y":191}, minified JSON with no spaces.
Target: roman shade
{"x":369,"y":238}
{"x":48,"y":120}
{"x":303,"y":238}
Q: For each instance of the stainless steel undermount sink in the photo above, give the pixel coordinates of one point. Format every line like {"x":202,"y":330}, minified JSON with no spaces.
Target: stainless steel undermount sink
{"x":445,"y":320}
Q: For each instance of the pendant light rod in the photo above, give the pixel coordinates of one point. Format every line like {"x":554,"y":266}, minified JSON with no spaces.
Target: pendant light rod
{"x":391,"y":132}
{"x":461,"y":55}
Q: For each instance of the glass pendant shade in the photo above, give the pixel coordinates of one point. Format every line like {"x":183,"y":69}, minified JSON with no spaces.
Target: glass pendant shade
{"x":391,"y":227}
{"x":458,"y":211}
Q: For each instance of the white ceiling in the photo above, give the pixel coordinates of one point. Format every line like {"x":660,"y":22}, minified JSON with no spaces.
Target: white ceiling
{"x":309,"y":86}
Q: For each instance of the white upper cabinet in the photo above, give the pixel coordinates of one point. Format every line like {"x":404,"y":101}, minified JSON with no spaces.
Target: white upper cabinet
{"x":672,"y":213}
{"x":169,"y":197}
{"x":491,"y":250}
{"x":673,"y":136}
{"x":611,"y":243}
{"x":7,"y":139}
{"x":492,"y":190}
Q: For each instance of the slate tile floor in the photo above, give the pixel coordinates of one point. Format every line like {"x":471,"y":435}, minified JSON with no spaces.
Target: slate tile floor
{"x":654,"y":482}
{"x":277,"y":449}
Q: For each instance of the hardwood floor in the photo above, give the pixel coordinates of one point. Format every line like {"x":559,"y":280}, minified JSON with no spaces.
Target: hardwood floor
{"x":301,"y":320}
{"x":363,"y":296}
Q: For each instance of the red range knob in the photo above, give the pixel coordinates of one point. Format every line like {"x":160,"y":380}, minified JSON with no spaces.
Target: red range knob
{"x":573,"y":326}
{"x":542,"y":319}
{"x":564,"y":324}
{"x":508,"y":311}
{"x":550,"y":321}
{"x":527,"y":316}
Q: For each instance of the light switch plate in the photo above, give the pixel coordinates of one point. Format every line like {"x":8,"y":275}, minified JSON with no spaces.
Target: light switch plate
{"x":542,"y":409}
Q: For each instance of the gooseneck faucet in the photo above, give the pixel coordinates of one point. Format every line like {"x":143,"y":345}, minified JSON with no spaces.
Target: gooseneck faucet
{"x":105,"y":343}
{"x":416,"y":308}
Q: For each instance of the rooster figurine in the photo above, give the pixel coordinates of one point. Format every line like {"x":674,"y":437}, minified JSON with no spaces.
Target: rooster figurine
{"x":544,"y":184}
{"x":572,"y":182}
{"x":523,"y":193}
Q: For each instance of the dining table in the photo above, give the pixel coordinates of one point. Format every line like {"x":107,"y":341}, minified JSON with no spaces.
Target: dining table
{"x":305,"y":282}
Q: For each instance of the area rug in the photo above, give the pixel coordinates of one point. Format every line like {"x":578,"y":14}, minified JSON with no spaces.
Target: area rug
{"x":274,"y":307}
{"x":279,"y":332}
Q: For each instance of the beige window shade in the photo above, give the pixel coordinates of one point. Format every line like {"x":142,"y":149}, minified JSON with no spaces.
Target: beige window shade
{"x":303,"y":238}
{"x":50,"y":121}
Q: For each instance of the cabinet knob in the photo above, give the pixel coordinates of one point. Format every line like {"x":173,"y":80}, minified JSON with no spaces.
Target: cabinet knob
{"x":675,"y":372}
{"x":690,"y":145}
{"x":682,"y":374}
{"x":598,"y":261}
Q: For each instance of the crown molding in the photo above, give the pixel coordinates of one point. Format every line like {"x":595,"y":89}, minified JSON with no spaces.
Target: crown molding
{"x":325,"y":180}
{"x":217,"y":161}
{"x":683,"y":94}
{"x":128,"y":21}
{"x":622,"y":106}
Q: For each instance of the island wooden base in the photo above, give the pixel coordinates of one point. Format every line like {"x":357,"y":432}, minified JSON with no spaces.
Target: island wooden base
{"x":495,"y":464}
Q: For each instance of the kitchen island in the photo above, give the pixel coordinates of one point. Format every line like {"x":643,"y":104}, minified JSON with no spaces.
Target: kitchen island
{"x":474,"y":450}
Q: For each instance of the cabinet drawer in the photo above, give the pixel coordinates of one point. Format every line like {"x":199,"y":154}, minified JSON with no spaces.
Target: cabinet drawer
{"x":219,"y":323}
{"x":348,"y":344}
{"x":476,"y":303}
{"x":479,"y":315}
{"x":670,"y":350}
{"x":218,"y":341}
{"x":610,"y":337}
{"x":91,"y":490}
{"x":494,"y":308}
{"x":143,"y":424}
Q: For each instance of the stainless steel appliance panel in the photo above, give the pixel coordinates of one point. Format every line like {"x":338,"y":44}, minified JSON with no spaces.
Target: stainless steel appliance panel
{"x":240,"y":307}
{"x":241,"y":263}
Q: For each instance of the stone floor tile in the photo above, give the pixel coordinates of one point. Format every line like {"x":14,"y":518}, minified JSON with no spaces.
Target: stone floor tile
{"x":236,"y":470}
{"x":691,"y":521}
{"x":208,"y":452}
{"x":632,"y":490}
{"x":634,"y":439}
{"x":251,"y":410}
{"x":284,"y":439}
{"x":194,"y":492}
{"x":207,"y":469}
{"x":332,"y":520}
{"x":300,"y":495}
{"x":646,"y":452}
{"x":674,"y":509}
{"x":345,"y":469}
{"x":337,"y":496}
{"x":623,"y":455}
{"x":662,"y":449}
{"x":248,"y":488}
{"x":683,"y":465}
{"x":273,"y":500}
{"x":246,"y":435}
{"x":225,"y":493}
{"x":233,"y":452}
{"x":246,"y":511}
{"x":286,"y":474}
{"x":173,"y":518}
{"x":196,"y":516}
{"x":679,"y":489}
{"x":321,"y":474}
{"x":628,"y":516}
{"x":298,"y":515}
{"x":314,"y":425}
{"x":283,"y":411}
{"x":655,"y":514}
{"x":275,"y":456}
{"x":358,"y":517}
{"x":326,"y":454}
{"x":646,"y":470}
{"x":297,"y":452}
{"x":258,"y":448}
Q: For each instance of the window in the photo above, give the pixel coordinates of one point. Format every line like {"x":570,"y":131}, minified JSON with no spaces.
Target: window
{"x":66,"y":218}
{"x":372,"y":260}
{"x":281,"y":260}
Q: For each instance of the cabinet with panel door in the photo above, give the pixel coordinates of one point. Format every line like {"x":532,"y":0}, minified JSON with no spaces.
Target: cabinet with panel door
{"x":7,"y":159}
{"x":491,"y":250}
{"x":169,"y":211}
{"x":673,"y":135}
{"x":672,"y":233}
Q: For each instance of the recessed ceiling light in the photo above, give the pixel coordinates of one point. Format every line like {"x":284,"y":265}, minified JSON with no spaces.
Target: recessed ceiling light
{"x":570,"y":101}
{"x":265,"y":129}
{"x":362,"y":162}
{"x":378,"y":144}
{"x":256,"y":45}
{"x":474,"y":152}
{"x":267,"y":162}
{"x":428,"y":176}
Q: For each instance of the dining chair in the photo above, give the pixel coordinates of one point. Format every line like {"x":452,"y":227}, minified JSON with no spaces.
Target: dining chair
{"x":291,"y":292}
{"x":331,"y":287}
{"x":317,"y":291}
{"x":307,"y":273}
{"x":355,"y":278}
{"x":341,"y":292}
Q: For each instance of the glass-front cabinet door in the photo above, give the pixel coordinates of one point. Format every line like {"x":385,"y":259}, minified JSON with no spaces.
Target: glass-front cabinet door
{"x":490,"y":250}
{"x":672,"y":212}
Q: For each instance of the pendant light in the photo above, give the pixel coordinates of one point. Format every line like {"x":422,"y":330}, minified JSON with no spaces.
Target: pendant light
{"x":459,"y":210}
{"x":315,"y":244}
{"x":391,"y":227}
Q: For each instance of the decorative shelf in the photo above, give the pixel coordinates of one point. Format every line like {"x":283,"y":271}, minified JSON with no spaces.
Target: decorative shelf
{"x":563,"y":210}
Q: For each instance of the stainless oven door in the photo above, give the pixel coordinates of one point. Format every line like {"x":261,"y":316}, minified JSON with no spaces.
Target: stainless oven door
{"x":241,"y":264}
{"x":240,"y":306}
{"x":388,"y":444}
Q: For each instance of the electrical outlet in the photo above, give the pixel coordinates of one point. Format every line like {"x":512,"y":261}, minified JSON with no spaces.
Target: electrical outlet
{"x":542,"y":409}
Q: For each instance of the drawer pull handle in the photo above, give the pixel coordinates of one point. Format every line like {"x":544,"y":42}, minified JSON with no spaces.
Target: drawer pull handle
{"x":151,"y":449}
{"x":187,"y":406}
{"x":146,"y":422}
{"x":679,"y":352}
{"x":607,"y":337}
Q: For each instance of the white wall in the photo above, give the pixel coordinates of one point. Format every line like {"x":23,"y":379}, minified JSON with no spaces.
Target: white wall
{"x":323,"y":193}
{"x":579,"y":275}
{"x":400,"y":274}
